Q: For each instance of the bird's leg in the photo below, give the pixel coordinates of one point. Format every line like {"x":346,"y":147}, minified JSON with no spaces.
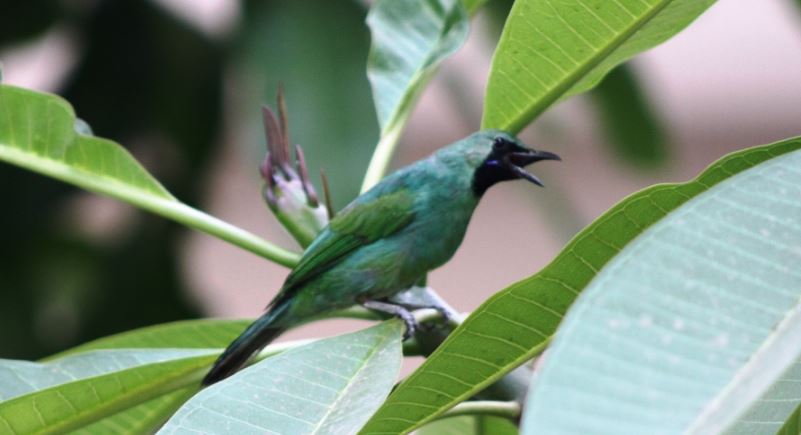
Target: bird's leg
{"x":443,"y":311}
{"x":418,"y":297}
{"x":395,"y":310}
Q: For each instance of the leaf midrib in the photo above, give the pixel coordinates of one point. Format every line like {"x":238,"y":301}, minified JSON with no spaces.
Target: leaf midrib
{"x":186,"y":376}
{"x":350,"y":384}
{"x":162,"y":204}
{"x":81,"y":177}
{"x":585,"y":68}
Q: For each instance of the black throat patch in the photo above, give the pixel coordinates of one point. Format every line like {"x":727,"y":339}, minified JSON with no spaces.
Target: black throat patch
{"x":491,"y":171}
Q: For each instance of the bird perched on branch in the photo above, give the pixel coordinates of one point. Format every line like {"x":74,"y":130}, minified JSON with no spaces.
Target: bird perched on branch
{"x":388,"y":238}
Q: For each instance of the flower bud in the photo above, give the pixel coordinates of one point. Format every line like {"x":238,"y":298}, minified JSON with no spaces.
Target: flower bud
{"x":287,"y":190}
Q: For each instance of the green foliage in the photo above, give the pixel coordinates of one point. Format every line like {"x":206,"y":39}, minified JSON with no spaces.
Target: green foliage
{"x":517,"y":323}
{"x":434,"y":28}
{"x":186,"y":334}
{"x":37,"y":132}
{"x":143,"y":419}
{"x":136,"y":379}
{"x":410,"y":39}
{"x":329,"y":386}
{"x":112,"y":382}
{"x":700,"y":311}
{"x":792,"y":425}
{"x":23,"y":377}
{"x":469,"y":425}
{"x":550,"y":50}
{"x":462,"y":425}
{"x":689,"y":253}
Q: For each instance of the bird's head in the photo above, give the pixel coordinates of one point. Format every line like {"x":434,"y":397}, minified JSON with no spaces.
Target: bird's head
{"x":497,"y":156}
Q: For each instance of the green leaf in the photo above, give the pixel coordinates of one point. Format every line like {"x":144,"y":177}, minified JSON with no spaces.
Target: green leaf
{"x":185,"y":334}
{"x":469,"y":425}
{"x":22,"y":377}
{"x":37,"y":132}
{"x":188,"y":334}
{"x":550,"y":50}
{"x":633,"y":129}
{"x":329,"y":386}
{"x":516,"y":324}
{"x":410,"y":39}
{"x":488,"y":425}
{"x":103,"y":359}
{"x":461,"y":425}
{"x":793,"y":424}
{"x":108,"y":382}
{"x":691,"y":323}
{"x":142,"y":419}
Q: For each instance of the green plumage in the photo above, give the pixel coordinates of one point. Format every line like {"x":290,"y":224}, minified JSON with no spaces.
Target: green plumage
{"x":383,"y":242}
{"x":357,"y":225}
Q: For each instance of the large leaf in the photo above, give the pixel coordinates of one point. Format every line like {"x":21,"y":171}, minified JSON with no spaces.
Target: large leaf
{"x":38,"y":132}
{"x":22,"y":377}
{"x":189,"y":334}
{"x":184,"y":334}
{"x":410,"y":38}
{"x":128,"y":350}
{"x":329,"y":386}
{"x":691,"y":323}
{"x":144,"y":419}
{"x":78,"y":390}
{"x":549,"y":50}
{"x":516,"y":324}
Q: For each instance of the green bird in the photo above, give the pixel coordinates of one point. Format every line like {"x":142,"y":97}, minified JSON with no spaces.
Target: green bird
{"x":388,"y":239}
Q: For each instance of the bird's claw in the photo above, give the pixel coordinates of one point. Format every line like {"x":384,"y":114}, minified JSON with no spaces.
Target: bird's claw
{"x":446,"y":314}
{"x":410,"y":322}
{"x":397,"y":311}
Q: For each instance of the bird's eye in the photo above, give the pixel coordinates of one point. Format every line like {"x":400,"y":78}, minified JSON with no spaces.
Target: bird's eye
{"x":500,"y":144}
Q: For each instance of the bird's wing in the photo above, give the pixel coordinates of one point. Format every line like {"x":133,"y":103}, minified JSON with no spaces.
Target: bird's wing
{"x":359,"y":224}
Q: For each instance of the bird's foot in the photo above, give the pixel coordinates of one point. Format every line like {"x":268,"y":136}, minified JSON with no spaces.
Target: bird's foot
{"x":395,"y":310}
{"x":416,"y":298}
{"x":448,"y":316}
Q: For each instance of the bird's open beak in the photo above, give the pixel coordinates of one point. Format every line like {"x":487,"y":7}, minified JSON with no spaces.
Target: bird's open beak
{"x":519,"y":159}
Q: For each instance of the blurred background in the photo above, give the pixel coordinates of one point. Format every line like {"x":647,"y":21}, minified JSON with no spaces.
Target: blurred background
{"x":180,"y":82}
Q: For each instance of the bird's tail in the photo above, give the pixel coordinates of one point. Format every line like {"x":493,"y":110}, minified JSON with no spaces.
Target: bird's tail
{"x":259,"y":334}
